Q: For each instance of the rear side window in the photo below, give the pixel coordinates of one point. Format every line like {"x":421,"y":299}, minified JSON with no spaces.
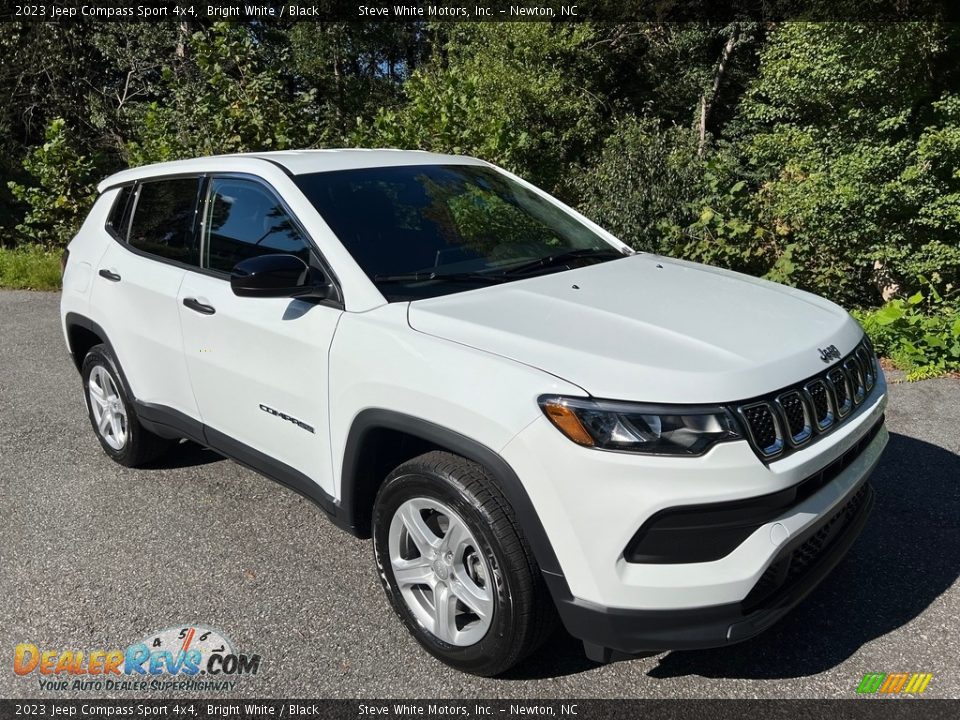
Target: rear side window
{"x":119,"y":216}
{"x":163,"y":219}
{"x":244,"y":219}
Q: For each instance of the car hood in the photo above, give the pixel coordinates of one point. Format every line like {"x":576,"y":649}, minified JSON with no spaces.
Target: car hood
{"x":648,"y":328}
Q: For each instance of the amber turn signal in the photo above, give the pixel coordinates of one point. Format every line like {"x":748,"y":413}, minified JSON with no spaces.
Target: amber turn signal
{"x":568,"y":423}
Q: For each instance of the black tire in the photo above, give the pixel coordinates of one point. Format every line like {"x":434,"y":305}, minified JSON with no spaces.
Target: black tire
{"x":141,"y":446}
{"x":524,"y":615}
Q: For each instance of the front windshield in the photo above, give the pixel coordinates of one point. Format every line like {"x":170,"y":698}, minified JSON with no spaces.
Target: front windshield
{"x":427,"y":230}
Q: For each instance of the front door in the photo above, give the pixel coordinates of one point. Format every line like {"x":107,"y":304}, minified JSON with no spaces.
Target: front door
{"x":258,"y":366}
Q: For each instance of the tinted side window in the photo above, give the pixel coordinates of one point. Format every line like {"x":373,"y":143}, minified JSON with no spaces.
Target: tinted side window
{"x":244,"y":220}
{"x":163,"y":219}
{"x":119,"y":216}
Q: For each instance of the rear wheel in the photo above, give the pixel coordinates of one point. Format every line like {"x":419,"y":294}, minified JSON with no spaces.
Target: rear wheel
{"x":456,"y":567}
{"x":112,"y":413}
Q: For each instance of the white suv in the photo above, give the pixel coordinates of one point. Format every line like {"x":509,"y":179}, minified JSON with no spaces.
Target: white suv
{"x":530,"y":419}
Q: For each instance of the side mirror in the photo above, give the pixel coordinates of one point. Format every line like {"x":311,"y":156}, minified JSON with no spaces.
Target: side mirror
{"x":278,"y":276}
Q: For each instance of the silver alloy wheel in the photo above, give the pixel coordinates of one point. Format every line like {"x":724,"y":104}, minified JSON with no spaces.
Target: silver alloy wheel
{"x":109,"y":413}
{"x":443,"y":577}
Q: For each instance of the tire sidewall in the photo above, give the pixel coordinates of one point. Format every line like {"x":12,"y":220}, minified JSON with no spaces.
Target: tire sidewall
{"x":487,"y":653}
{"x":101,"y":355}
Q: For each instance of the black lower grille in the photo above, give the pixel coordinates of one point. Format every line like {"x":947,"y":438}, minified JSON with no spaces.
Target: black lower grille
{"x":701,"y":533}
{"x":788,"y":570}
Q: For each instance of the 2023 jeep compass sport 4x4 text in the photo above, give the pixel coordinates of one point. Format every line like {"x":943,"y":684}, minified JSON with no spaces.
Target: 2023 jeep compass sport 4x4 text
{"x":532,"y":421}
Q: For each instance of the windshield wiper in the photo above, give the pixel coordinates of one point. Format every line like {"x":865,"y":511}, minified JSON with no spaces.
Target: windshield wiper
{"x":561,"y":258}
{"x":504,"y":274}
{"x":433,"y":275}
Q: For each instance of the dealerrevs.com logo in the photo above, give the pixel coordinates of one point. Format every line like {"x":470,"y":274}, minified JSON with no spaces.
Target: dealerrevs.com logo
{"x":187,"y":657}
{"x":894,"y":683}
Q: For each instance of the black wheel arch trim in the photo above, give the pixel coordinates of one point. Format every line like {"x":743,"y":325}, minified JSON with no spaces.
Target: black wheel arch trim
{"x":72,"y":319}
{"x":509,"y":484}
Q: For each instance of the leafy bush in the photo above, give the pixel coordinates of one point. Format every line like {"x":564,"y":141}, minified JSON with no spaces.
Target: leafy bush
{"x":852,"y":153}
{"x":643,"y":182}
{"x":30,"y":267}
{"x":720,"y":232}
{"x":236,"y":99}
{"x":920,"y":334}
{"x":64,"y":192}
{"x":516,"y":94}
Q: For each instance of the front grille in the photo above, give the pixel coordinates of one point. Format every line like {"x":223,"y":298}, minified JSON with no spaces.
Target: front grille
{"x":790,"y":569}
{"x":792,"y":417}
{"x":855,"y":372}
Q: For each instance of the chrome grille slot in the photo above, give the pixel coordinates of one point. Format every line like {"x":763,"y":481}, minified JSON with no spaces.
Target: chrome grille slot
{"x":852,"y":367}
{"x":819,"y":398}
{"x":842,"y":395}
{"x":869,"y":363}
{"x":764,"y":427}
{"x":794,"y":416}
{"x":797,"y":418}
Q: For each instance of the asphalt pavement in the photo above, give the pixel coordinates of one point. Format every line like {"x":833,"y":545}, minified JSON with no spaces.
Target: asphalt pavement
{"x":94,"y":555}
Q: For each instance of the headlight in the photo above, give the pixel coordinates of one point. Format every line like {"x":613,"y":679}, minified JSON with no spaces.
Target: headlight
{"x":630,"y":427}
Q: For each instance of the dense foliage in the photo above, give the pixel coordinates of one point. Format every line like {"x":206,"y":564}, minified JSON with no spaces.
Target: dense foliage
{"x":825,"y":156}
{"x":920,"y":334}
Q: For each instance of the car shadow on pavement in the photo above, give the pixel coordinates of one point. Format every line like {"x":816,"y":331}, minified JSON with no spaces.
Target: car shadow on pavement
{"x":186,"y":454}
{"x":561,"y":655}
{"x":907,"y":556}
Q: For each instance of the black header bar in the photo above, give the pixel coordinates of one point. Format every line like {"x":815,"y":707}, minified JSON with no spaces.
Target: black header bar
{"x":479,"y":10}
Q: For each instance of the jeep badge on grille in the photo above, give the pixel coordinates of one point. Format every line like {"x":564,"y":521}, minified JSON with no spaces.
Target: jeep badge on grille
{"x":829,"y":353}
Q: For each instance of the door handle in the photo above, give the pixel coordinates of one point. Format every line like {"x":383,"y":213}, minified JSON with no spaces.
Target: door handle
{"x":111,"y":276}
{"x":199,"y":307}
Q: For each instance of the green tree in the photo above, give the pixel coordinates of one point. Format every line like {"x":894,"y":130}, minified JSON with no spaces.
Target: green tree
{"x":233,"y":98}
{"x":64,"y":190}
{"x":356,"y":68}
{"x":853,"y":157}
{"x":643,"y":182}
{"x":517,"y":94}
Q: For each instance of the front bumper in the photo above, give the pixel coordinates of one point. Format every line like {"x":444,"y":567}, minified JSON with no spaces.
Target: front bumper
{"x":593,"y":502}
{"x":801,"y":566}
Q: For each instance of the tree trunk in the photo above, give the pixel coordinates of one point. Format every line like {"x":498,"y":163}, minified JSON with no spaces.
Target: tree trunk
{"x":708,"y":97}
{"x":337,"y":32}
{"x":183,"y":33}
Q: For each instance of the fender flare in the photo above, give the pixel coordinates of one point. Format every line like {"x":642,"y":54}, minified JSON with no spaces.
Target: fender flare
{"x":507,"y":481}
{"x":72,"y":319}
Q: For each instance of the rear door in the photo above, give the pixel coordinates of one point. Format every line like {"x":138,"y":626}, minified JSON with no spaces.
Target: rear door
{"x":136,"y":286}
{"x":258,"y":366}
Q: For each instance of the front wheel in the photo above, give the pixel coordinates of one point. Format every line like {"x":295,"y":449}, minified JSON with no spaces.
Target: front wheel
{"x":456,"y":567}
